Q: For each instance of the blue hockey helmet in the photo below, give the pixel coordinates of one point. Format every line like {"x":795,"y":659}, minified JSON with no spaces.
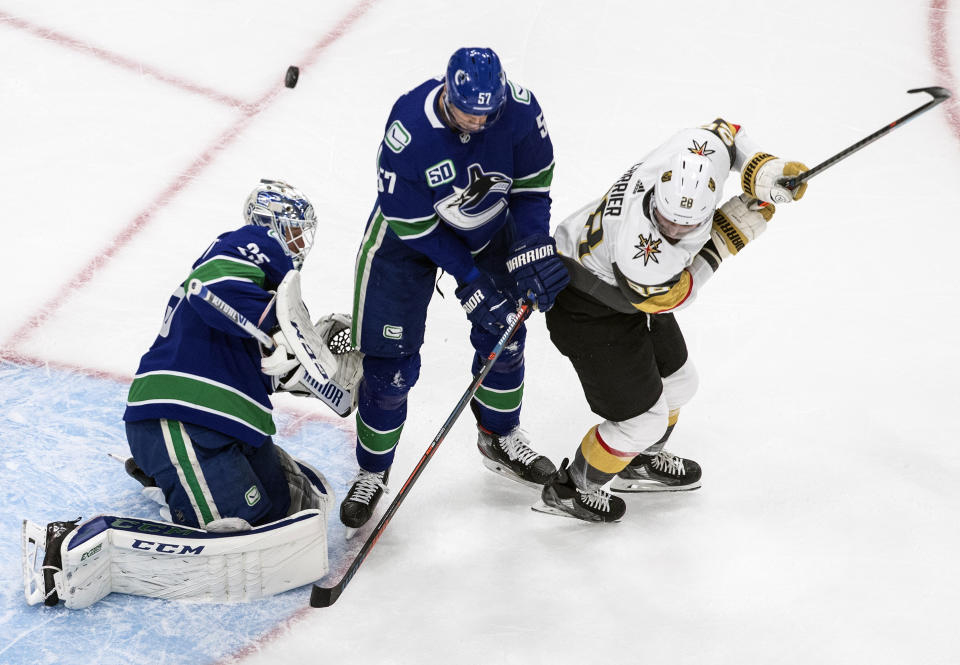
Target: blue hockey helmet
{"x":476,"y":84}
{"x":287,"y":212}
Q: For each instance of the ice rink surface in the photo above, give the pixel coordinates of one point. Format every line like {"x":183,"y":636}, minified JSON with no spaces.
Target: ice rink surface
{"x":826,"y":422}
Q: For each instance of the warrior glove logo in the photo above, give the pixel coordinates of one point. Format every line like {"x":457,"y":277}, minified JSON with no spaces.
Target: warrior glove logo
{"x":461,"y":209}
{"x":471,"y":303}
{"x":529,"y":256}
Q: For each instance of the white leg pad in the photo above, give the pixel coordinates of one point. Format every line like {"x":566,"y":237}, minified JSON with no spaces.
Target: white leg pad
{"x":637,"y":433}
{"x":163,"y":560}
{"x":681,"y":386}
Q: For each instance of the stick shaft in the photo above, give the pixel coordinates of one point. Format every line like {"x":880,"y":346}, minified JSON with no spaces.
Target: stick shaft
{"x":326,"y":596}
{"x":939,"y":95}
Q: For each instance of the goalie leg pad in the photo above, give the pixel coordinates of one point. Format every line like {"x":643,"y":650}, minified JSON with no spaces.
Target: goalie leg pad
{"x":160,"y":560}
{"x":309,"y":489}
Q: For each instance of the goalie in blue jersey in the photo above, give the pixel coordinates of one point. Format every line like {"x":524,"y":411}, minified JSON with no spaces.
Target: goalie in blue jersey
{"x":464,"y":173}
{"x":242,"y":518}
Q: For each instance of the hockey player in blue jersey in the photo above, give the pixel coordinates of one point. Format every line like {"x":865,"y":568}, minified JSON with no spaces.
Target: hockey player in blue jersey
{"x":248,"y":519}
{"x":199,"y":417}
{"x":464,"y":173}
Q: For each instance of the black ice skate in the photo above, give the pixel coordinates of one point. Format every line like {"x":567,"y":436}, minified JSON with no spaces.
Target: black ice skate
{"x":662,"y":472}
{"x":362,"y":498}
{"x":511,"y":456}
{"x":562,"y":497}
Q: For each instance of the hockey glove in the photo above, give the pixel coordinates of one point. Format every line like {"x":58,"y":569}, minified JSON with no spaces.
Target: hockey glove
{"x":737,"y":222}
{"x":485,"y":305}
{"x":540,"y":274}
{"x":282,"y":365}
{"x":762,"y":173}
{"x":334,"y":329}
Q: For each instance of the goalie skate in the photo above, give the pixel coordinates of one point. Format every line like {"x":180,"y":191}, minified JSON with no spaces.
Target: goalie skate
{"x":662,"y":472}
{"x":511,"y":456}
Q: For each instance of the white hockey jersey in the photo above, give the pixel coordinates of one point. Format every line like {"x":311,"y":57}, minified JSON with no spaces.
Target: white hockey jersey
{"x":617,"y":255}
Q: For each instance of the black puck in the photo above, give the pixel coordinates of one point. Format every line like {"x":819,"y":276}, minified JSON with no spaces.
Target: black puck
{"x":293,"y":74}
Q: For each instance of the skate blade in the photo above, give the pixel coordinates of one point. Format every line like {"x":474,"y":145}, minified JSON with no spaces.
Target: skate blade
{"x":350,"y":532}
{"x":640,"y":486}
{"x":33,"y":540}
{"x":506,"y":472}
{"x":541,"y":507}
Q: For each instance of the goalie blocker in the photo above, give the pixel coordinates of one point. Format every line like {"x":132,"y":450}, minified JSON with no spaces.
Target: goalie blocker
{"x":81,"y":563}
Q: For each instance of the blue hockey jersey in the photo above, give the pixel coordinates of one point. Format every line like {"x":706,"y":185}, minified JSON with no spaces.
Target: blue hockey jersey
{"x":446,"y":194}
{"x":202,"y":368}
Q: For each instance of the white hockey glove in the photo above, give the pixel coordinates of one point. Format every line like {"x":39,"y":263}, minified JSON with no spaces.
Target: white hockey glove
{"x":761,"y":174}
{"x":334,"y":329}
{"x":737,"y":222}
{"x":281,"y":363}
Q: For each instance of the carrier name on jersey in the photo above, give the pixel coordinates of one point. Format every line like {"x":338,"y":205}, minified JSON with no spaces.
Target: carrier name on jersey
{"x":617,"y":192}
{"x":461,"y":209}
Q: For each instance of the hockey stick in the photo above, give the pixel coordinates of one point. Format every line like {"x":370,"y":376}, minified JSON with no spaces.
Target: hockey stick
{"x":939,"y":95}
{"x":329,"y":392}
{"x":327,"y":596}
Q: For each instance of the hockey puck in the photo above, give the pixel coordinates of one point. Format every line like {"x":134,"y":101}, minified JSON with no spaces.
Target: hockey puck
{"x":293,"y":74}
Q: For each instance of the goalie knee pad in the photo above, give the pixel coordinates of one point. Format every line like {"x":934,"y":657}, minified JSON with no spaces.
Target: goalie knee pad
{"x":161,"y":560}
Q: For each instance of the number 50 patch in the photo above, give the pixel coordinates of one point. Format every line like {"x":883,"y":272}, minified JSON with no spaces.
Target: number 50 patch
{"x":440,"y":174}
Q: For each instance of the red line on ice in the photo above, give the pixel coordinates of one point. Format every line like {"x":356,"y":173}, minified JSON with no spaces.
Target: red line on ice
{"x":940,"y":53}
{"x":115,"y":59}
{"x":102,"y":257}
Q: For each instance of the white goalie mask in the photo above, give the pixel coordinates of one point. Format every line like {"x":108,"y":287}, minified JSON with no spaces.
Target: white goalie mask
{"x":685,"y":196}
{"x":287,"y":212}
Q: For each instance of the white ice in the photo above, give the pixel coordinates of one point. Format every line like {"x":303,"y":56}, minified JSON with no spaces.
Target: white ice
{"x":827,"y":420}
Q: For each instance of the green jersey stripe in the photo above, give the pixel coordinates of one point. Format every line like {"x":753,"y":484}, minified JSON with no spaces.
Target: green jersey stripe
{"x":219,"y":268}
{"x":539,"y":180}
{"x":203,"y":394}
{"x":190,"y":477}
{"x":500,"y":400}
{"x":376,"y":441}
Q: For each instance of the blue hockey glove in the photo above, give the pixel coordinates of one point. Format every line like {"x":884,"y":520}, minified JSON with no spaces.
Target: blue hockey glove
{"x":540,"y":274}
{"x":485,"y":305}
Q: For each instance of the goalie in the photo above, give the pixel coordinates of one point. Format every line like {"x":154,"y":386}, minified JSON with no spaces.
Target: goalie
{"x":242,"y":519}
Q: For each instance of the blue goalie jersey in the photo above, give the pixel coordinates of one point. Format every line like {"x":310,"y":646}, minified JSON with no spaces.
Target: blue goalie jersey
{"x":446,"y":194}
{"x":202,"y":368}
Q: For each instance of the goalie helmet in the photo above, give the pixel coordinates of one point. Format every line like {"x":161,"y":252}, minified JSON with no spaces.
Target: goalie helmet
{"x":685,"y":195}
{"x":476,"y":84}
{"x":287,"y":212}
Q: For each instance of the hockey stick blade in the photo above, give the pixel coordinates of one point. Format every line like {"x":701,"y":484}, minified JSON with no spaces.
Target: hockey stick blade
{"x":939,"y":95}
{"x":327,"y":596}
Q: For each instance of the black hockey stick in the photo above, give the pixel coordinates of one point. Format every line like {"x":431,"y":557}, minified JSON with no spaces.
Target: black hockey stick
{"x":327,"y":596}
{"x":939,"y":95}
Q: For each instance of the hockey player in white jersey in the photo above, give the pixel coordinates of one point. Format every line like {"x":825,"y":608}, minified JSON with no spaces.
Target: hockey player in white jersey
{"x":636,"y":255}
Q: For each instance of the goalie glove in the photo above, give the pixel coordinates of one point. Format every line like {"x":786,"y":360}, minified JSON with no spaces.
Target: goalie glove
{"x":737,"y":222}
{"x":289,"y":374}
{"x":761,"y":176}
{"x":334,"y":329}
{"x":282,"y":365}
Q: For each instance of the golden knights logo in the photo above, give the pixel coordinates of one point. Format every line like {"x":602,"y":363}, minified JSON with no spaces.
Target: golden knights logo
{"x":481,"y":201}
{"x":648,"y":249}
{"x":701,"y":149}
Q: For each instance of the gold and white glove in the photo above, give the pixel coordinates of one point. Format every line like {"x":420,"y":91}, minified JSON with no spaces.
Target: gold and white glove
{"x":761,"y":175}
{"x":737,"y":222}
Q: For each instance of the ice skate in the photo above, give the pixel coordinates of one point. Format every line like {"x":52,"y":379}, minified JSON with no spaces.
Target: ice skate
{"x":662,"y":472}
{"x":561,"y":497}
{"x":362,"y":498}
{"x":511,"y":456}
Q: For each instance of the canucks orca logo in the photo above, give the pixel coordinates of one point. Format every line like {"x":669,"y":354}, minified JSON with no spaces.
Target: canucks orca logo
{"x":463,"y":208}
